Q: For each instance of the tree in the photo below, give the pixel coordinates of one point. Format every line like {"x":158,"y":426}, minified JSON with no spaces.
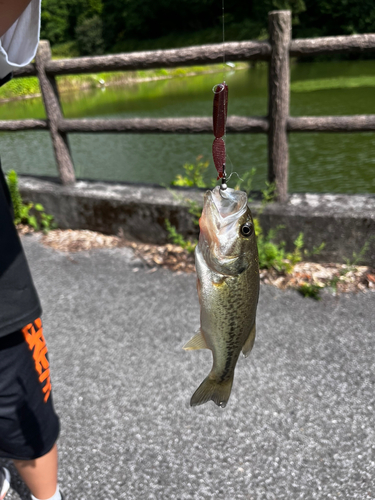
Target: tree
{"x":60,"y":18}
{"x":121,"y":21}
{"x":89,"y":36}
{"x":336,"y":17}
{"x":55,"y":20}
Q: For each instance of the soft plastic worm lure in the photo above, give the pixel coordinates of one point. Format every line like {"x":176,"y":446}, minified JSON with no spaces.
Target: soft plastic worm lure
{"x":220,"y":109}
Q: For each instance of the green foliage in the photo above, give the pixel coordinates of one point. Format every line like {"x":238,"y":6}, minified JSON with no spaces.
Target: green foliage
{"x":245,"y":183}
{"x":12,"y":181}
{"x":65,"y":50}
{"x":336,"y":17}
{"x":316,"y":249}
{"x":244,"y":30}
{"x":351,"y":266}
{"x":334,"y":281}
{"x":45,"y":220}
{"x":311,"y":290}
{"x":135,"y":20}
{"x":357,"y":257}
{"x":194,"y":174}
{"x":194,"y":178}
{"x":268,"y":193}
{"x":296,"y":256}
{"x":161,"y":72}
{"x":89,"y":36}
{"x":177,"y":238}
{"x":20,"y":87}
{"x":272,"y":254}
{"x":61,"y":18}
{"x":55,"y":21}
{"x":153,"y":24}
{"x":29,"y":214}
{"x":194,"y":210}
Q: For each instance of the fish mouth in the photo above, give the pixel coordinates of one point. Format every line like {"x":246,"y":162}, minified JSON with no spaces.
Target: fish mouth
{"x":219,"y":228}
{"x":224,"y":207}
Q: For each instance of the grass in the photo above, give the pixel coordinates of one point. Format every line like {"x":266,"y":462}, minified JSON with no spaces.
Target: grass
{"x":20,"y":87}
{"x":310,"y":290}
{"x":272,"y":254}
{"x":29,"y":86}
{"x":177,"y":239}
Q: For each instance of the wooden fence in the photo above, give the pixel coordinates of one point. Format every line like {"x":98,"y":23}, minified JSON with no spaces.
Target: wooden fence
{"x":277,"y":51}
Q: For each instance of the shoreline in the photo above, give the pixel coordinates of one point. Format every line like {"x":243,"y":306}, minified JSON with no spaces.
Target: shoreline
{"x":94,"y":80}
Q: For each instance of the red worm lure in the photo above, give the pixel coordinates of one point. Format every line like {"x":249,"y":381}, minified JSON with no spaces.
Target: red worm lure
{"x":220,"y":110}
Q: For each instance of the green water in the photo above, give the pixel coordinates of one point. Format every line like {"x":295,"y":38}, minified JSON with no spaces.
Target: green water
{"x":318,"y":162}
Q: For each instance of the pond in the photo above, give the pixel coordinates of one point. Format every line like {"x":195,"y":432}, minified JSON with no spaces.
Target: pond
{"x":337,"y":163}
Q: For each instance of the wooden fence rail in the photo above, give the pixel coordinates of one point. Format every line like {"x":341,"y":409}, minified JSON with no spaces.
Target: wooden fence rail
{"x":235,"y":125}
{"x":277,"y":51}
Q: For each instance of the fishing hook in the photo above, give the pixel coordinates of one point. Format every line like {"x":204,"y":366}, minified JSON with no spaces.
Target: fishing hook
{"x":223,"y":186}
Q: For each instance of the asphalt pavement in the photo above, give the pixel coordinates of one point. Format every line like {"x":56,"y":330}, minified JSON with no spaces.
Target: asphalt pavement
{"x":300,"y":421}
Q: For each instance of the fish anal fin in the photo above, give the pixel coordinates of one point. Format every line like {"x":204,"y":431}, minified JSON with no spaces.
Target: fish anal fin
{"x":248,"y":345}
{"x":211,"y":389}
{"x":196,"y":342}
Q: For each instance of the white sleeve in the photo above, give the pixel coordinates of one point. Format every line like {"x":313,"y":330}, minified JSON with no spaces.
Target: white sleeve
{"x":19,"y":44}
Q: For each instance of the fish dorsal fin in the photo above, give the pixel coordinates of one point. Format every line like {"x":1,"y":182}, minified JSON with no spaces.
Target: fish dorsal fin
{"x":196,"y":342}
{"x":249,"y":342}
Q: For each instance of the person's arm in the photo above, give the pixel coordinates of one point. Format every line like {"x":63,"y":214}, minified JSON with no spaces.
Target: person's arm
{"x":10,"y":11}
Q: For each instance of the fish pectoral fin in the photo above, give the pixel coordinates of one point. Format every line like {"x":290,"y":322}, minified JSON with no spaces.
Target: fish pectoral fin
{"x":196,"y":342}
{"x":248,"y":345}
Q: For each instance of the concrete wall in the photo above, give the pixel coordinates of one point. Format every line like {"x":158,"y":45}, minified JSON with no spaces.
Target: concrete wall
{"x":344,"y":223}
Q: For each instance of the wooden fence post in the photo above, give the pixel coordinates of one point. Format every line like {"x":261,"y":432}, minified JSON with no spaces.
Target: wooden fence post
{"x":278,"y":101}
{"x":54,"y":114}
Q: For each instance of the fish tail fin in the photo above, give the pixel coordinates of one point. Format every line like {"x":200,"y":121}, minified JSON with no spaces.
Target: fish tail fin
{"x":212,"y":389}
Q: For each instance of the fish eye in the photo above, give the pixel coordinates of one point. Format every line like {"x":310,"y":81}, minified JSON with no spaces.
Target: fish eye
{"x":247,"y":229}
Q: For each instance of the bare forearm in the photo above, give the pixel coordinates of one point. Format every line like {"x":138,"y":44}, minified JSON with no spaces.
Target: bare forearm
{"x":10,"y":11}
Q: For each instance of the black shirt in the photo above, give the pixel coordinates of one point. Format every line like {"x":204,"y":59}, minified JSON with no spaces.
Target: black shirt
{"x":19,"y":302}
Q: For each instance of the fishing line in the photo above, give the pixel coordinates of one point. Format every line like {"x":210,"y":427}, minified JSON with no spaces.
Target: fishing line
{"x":228,"y":159}
{"x":232,"y":167}
{"x":234,"y":173}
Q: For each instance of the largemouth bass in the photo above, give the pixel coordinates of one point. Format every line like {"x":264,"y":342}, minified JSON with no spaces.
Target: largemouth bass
{"x":226,"y":260}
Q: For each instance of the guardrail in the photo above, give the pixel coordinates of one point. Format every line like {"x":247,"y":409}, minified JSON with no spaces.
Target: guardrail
{"x":277,"y":51}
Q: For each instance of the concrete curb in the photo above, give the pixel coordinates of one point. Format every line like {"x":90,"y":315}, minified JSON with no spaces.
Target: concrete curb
{"x":345,"y":223}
